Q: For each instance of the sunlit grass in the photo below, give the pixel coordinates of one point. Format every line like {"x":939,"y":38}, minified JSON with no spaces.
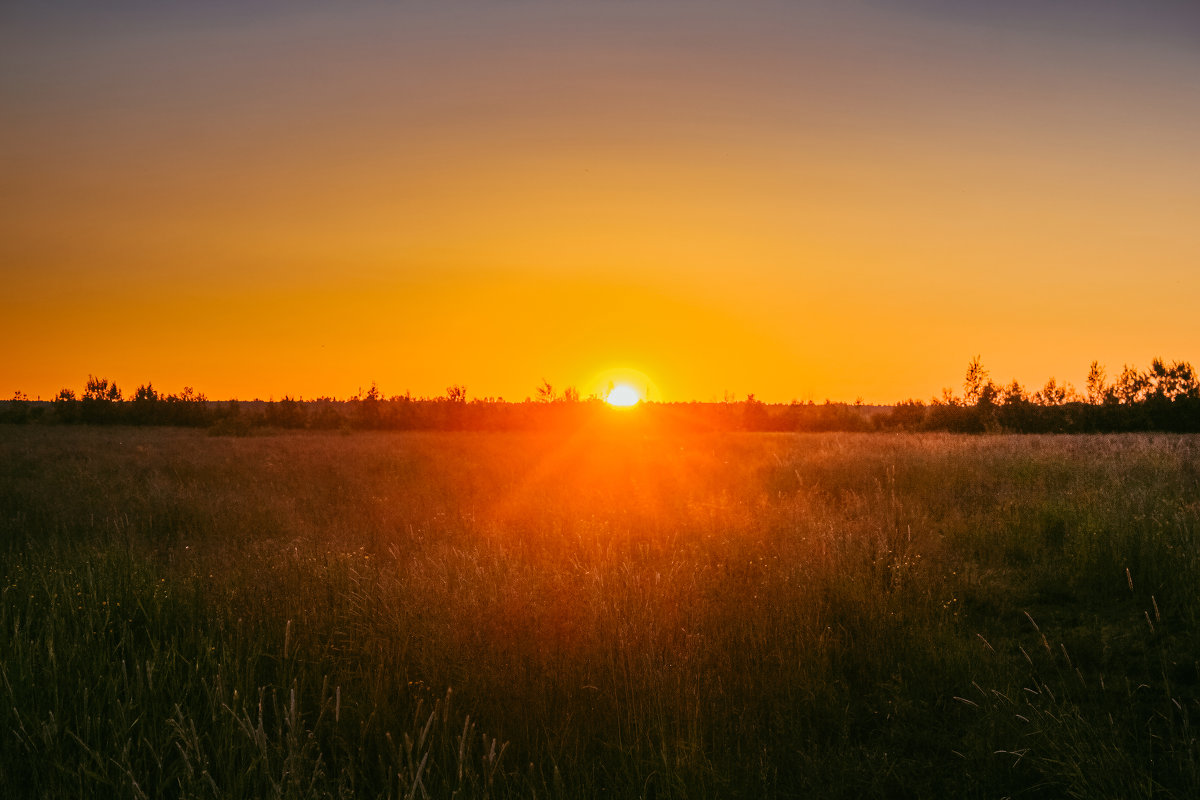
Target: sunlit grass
{"x":614,"y":613}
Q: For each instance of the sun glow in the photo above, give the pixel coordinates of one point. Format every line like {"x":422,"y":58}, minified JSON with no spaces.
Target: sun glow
{"x":616,"y":383}
{"x":623,"y":395}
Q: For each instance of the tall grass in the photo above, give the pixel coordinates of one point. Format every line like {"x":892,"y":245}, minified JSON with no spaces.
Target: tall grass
{"x":619,"y":613}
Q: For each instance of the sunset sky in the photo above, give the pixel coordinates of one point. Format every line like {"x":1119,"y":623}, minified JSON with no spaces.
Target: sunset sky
{"x":804,"y":200}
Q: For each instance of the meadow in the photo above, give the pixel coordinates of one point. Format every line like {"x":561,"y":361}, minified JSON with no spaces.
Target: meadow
{"x":609,"y":612}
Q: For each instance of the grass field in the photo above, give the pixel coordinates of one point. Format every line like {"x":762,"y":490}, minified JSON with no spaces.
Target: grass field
{"x":611,"y":613}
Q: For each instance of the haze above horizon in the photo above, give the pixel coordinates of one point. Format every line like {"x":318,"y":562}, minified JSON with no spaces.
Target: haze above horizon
{"x":800,"y":200}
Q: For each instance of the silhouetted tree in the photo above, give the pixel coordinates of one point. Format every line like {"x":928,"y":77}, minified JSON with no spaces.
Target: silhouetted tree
{"x":324,"y":415}
{"x":1096,"y":388}
{"x":189,"y":408}
{"x":66,"y":406}
{"x":98,"y":401}
{"x":1171,"y":396}
{"x":146,"y":393}
{"x":1052,"y":394}
{"x":190,"y":395}
{"x":907,"y":415}
{"x":1016,"y":412}
{"x":16,"y":410}
{"x":454,"y":412}
{"x":754,"y":414}
{"x":369,"y":414}
{"x":101,"y":389}
{"x":1170,"y":382}
{"x":286,"y":413}
{"x":145,"y":404}
{"x":1130,"y":388}
{"x":1186,"y":383}
{"x":977,"y":388}
{"x":1014,"y":393}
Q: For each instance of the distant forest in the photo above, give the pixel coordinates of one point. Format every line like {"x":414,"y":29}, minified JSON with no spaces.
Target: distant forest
{"x":1165,"y":397}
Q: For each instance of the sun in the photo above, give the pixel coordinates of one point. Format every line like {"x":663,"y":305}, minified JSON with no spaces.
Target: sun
{"x":623,"y":387}
{"x":623,"y":395}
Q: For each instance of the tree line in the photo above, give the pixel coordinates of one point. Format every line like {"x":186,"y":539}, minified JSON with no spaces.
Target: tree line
{"x":1164,"y":397}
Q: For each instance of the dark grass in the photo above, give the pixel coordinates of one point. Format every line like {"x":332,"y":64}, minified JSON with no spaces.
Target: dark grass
{"x":611,"y":614}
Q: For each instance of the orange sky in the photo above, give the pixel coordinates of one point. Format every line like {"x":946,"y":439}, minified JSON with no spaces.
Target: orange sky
{"x":803,"y":200}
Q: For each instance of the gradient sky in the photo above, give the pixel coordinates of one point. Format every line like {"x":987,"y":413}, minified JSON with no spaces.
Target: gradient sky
{"x":803,"y":200}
